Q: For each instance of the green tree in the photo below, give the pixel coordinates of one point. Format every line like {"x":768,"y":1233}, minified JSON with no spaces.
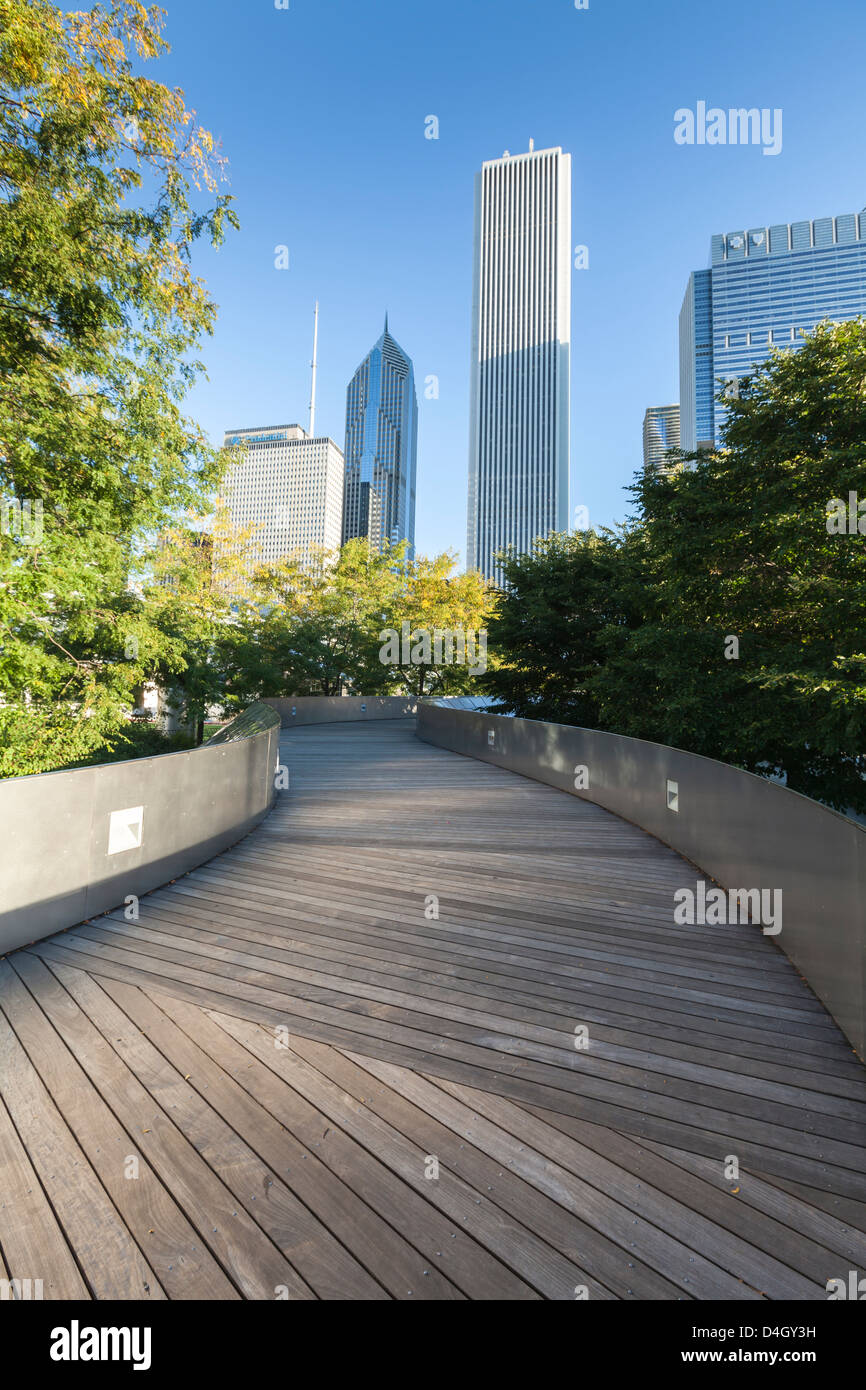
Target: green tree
{"x":100,"y":316}
{"x":740,"y":546}
{"x":197,"y":613}
{"x":729,"y":619}
{"x":317,"y":632}
{"x":444,"y":616}
{"x":323,"y":629}
{"x":565,"y":607}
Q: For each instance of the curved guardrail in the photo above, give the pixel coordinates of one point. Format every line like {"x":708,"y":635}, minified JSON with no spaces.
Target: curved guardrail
{"x":341,"y":709}
{"x":748,"y":834}
{"x":81,"y":842}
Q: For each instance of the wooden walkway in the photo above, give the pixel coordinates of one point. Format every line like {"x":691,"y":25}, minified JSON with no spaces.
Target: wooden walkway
{"x":292,"y":1078}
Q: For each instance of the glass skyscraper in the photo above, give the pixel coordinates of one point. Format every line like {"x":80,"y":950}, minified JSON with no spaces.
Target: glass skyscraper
{"x":661,"y":432}
{"x":381,"y":447}
{"x":521,"y":353}
{"x":764,"y":288}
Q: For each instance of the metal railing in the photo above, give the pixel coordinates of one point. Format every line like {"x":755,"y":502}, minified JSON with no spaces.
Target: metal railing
{"x":742,"y":831}
{"x":78,"y":843}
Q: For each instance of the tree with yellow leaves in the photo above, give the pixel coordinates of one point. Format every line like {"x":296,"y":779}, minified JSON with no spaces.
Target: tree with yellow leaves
{"x":331,"y":628}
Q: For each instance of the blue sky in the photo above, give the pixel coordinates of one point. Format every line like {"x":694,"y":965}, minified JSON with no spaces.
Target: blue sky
{"x":320,"y":109}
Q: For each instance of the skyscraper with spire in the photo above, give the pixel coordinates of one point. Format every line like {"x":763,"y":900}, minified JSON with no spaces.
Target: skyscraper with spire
{"x":381,"y":447}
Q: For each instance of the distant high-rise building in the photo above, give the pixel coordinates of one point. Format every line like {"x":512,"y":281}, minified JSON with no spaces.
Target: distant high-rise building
{"x":764,"y":288}
{"x":661,"y":432}
{"x":697,"y":382}
{"x":521,"y":354}
{"x":381,"y":447}
{"x":289,"y":485}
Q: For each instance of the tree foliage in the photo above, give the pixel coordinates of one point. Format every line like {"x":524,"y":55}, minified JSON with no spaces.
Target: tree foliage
{"x":106,"y":183}
{"x":564,"y":605}
{"x":196,"y":613}
{"x":430,"y":598}
{"x":634,"y":634}
{"x":321,"y":630}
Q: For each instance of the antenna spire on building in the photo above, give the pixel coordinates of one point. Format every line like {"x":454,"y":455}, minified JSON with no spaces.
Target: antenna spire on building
{"x":314,"y":365}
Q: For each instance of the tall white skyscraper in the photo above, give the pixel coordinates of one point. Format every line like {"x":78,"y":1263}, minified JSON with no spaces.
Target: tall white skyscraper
{"x":521,"y":355}
{"x":290,"y":486}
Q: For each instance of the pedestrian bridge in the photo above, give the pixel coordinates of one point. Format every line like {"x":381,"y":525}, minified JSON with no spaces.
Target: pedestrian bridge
{"x":428,"y":1031}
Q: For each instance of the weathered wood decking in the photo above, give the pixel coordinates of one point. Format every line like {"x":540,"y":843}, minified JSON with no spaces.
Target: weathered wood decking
{"x":284,"y":1043}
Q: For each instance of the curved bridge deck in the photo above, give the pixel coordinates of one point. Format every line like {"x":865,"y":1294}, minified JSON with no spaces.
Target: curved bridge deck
{"x":247,"y":1092}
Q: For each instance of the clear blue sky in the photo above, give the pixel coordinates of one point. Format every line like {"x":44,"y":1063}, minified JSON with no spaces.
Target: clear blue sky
{"x":320,"y":109}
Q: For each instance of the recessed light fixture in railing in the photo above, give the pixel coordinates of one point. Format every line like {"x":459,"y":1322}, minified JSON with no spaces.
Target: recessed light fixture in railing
{"x":125,"y":830}
{"x":673,"y":795}
{"x":491,"y":738}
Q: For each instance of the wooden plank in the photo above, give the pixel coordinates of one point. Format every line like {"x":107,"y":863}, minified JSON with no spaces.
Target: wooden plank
{"x":666,"y":1232}
{"x":450,"y":1196}
{"x":836,"y":1069}
{"x":839,"y":1141}
{"x":408,"y":1033}
{"x":787,"y":1023}
{"x":215,"y":1190}
{"x":799,"y":1222}
{"x":517,"y":1020}
{"x":111,"y":1262}
{"x":262,"y":874}
{"x":633,"y":921}
{"x":500,"y":1175}
{"x":334,"y":1271}
{"x":363,"y":1169}
{"x":608,"y":1042}
{"x":33,"y":1244}
{"x":471,"y":1065}
{"x":846,"y":1208}
{"x":110,"y":1137}
{"x":797,"y":1005}
{"x":334,"y":1179}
